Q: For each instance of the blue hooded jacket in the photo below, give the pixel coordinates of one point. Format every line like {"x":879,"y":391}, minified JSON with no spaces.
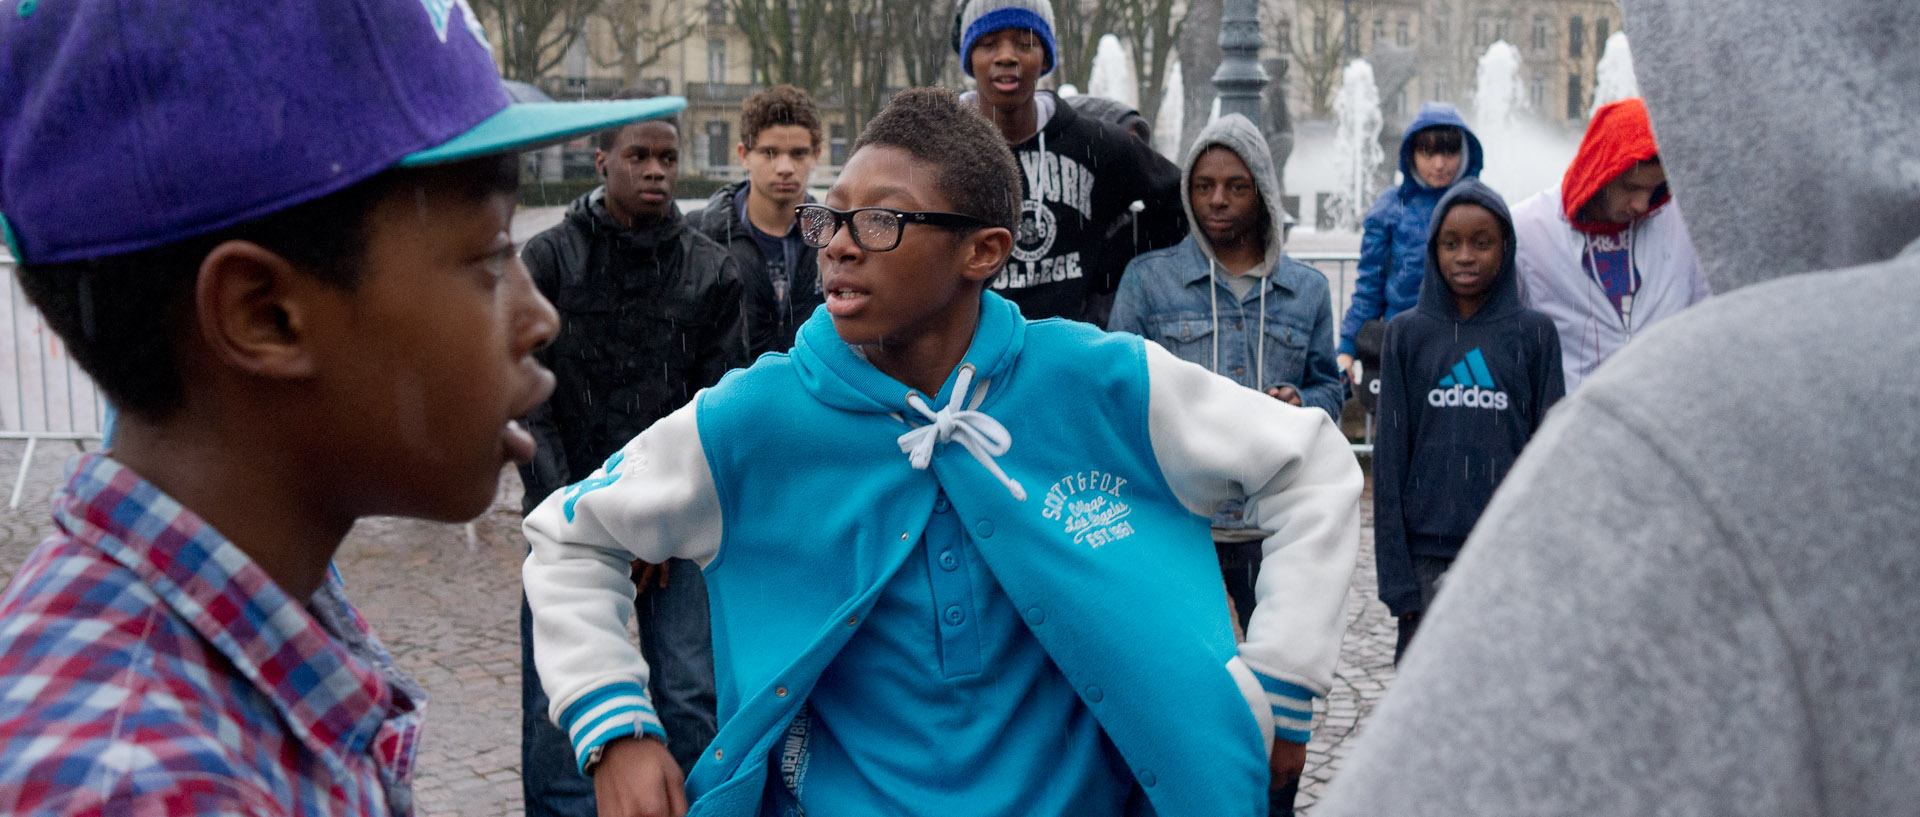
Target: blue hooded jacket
{"x":1393,"y":249}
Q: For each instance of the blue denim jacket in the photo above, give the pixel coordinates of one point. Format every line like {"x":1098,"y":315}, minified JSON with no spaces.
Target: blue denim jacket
{"x":1163,"y":297}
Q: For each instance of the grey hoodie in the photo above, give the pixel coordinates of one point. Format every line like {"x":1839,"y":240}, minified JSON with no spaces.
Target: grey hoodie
{"x":1237,"y":134}
{"x":1696,"y":592}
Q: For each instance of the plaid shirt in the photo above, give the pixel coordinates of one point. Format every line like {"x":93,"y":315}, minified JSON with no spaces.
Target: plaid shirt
{"x":149,"y":667}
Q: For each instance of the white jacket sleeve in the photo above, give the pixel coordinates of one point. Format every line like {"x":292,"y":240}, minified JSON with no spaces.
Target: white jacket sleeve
{"x":654,"y":500}
{"x":1216,"y":440}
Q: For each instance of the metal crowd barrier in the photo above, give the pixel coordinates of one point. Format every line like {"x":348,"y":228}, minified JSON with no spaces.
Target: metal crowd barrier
{"x":44,"y":396}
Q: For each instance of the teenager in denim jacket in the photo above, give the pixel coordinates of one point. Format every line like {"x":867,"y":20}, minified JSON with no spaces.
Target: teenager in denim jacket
{"x":1226,"y":298}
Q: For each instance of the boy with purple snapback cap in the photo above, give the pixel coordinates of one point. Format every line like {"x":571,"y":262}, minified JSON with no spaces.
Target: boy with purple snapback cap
{"x":276,"y":236}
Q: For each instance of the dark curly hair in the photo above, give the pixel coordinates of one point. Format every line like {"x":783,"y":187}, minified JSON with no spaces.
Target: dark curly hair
{"x":776,"y":106}
{"x":978,"y":175}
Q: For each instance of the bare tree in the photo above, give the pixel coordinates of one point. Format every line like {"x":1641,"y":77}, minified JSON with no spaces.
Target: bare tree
{"x":534,"y":34}
{"x":642,"y":30}
{"x":787,"y":39}
{"x":1151,"y":28}
{"x":923,"y":41}
{"x":1317,"y":37}
{"x":1199,"y":59}
{"x":1078,"y":26}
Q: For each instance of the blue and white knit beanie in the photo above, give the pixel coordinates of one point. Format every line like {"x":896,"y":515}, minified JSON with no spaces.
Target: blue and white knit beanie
{"x":979,"y":18}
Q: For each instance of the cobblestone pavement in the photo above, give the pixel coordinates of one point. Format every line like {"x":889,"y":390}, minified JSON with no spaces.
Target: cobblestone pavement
{"x":447,"y":605}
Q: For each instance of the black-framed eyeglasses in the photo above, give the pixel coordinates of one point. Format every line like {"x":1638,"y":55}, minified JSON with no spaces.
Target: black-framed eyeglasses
{"x":875,"y":229}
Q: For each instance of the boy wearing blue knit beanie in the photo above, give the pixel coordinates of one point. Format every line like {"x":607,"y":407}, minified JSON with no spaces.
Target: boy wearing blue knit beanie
{"x":1078,"y":175}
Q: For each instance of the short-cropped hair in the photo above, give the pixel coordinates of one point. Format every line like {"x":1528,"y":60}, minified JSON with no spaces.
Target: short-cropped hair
{"x":124,"y":318}
{"x":978,"y":175}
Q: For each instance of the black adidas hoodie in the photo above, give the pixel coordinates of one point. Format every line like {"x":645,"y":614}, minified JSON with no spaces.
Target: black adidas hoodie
{"x":1458,"y":399}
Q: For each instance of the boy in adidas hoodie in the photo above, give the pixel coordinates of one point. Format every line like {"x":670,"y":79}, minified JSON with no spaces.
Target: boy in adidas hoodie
{"x":1466,"y":377}
{"x":958,"y":561}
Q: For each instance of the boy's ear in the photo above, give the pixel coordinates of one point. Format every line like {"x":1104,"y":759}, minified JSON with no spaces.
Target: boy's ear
{"x":255,"y":311}
{"x":599,"y":163}
{"x":741,"y":150}
{"x":986,"y":251}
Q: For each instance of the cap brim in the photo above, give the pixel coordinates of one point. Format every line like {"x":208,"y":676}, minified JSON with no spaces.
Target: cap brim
{"x":529,"y":125}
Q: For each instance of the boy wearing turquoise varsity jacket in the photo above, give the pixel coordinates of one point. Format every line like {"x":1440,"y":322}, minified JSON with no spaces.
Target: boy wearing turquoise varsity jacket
{"x":958,"y":561}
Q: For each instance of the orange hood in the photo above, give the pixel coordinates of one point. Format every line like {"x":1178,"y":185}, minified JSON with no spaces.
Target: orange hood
{"x":1619,"y":137}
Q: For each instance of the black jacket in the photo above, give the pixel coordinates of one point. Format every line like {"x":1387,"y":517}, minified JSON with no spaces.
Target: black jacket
{"x":1078,"y":176}
{"x":1458,"y":399}
{"x":647,"y":318}
{"x":770,"y":324}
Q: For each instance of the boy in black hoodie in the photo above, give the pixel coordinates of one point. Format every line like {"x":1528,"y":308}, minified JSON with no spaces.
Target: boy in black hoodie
{"x":1079,"y":176}
{"x":1466,"y":378}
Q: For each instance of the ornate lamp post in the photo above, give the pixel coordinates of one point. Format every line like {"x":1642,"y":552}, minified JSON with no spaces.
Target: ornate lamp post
{"x":1240,"y":78}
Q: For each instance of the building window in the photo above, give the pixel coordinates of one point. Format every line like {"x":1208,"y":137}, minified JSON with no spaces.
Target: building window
{"x":716,"y":61}
{"x":1379,"y":32}
{"x":1440,"y":27}
{"x":1439,"y":90}
{"x":1488,"y":31}
{"x":1284,"y":36}
{"x":719,"y":147}
{"x":1537,"y":93}
{"x":1600,"y":33}
{"x":1539,"y":33}
{"x":716,"y":12}
{"x":1574,"y":108}
{"x":837,"y":144}
{"x":1576,"y":31}
{"x":1402,"y":35}
{"x":1319,"y":33}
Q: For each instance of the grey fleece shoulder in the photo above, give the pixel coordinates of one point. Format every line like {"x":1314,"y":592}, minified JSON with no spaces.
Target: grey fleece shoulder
{"x":1694,"y":593}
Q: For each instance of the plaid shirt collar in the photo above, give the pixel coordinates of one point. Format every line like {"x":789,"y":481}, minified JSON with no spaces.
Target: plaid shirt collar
{"x":320,"y":665}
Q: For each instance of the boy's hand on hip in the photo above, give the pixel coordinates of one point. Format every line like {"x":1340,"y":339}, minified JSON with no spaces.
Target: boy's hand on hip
{"x":1286,"y":763}
{"x":649,"y":574}
{"x":1285,"y":394}
{"x":638,"y":778}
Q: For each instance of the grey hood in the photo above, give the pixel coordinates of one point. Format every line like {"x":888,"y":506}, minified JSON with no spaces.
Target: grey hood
{"x":1787,"y":130}
{"x":1236,"y":133}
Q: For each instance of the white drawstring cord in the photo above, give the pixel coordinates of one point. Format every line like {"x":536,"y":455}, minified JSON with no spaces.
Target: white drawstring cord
{"x":981,"y":435}
{"x":1259,"y":340}
{"x":1213,"y":296}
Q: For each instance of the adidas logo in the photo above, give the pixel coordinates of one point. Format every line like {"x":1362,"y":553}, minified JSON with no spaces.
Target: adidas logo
{"x":1470,"y":385}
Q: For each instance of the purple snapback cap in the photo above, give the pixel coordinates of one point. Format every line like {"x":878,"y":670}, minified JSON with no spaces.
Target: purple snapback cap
{"x":131,"y":124}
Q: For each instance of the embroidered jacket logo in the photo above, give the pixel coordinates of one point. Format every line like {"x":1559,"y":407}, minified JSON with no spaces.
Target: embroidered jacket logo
{"x":1470,"y":385}
{"x":1089,"y":504}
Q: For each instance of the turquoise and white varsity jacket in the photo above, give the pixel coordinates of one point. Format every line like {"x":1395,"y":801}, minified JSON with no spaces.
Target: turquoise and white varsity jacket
{"x":1084,"y":466}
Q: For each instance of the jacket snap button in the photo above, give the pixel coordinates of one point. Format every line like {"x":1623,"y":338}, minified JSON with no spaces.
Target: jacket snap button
{"x":940,"y":504}
{"x":1145,"y":777}
{"x":852,"y":620}
{"x":1036,"y":615}
{"x":719,"y":754}
{"x":984,"y":528}
{"x":955,"y":615}
{"x":947,"y":562}
{"x":1093,"y":693}
{"x":779,"y":692}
